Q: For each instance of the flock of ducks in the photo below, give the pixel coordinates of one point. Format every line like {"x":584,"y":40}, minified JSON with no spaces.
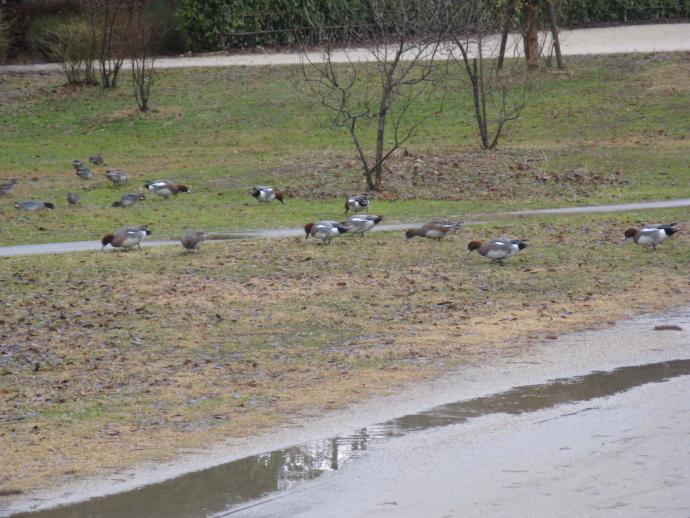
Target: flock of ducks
{"x":129,"y":237}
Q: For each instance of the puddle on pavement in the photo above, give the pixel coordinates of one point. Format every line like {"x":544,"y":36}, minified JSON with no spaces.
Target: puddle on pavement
{"x":221,"y":490}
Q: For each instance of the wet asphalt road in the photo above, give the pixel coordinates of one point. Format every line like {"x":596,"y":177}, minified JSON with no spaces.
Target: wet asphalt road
{"x":621,"y":456}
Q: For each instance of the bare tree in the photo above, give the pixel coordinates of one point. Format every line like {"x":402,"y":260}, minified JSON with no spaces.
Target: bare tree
{"x":499,"y":96}
{"x":141,"y":49}
{"x":400,"y":39}
{"x":107,"y":22}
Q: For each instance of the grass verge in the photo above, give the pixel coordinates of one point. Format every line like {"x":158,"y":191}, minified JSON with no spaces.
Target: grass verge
{"x":109,"y":359}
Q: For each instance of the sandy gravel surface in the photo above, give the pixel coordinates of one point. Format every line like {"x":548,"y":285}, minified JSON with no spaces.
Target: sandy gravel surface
{"x":609,"y":40}
{"x":630,"y":342}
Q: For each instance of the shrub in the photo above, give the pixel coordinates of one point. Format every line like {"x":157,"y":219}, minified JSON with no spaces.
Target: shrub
{"x":214,"y":24}
{"x":71,"y":45}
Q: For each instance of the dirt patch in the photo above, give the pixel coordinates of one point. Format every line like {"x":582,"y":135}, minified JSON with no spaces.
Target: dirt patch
{"x":454,"y":176}
{"x":671,"y":79}
{"x":169,"y":112}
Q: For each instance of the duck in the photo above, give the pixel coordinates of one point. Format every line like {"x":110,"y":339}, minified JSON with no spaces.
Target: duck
{"x":73,"y":198}
{"x":166,"y":188}
{"x":324,"y":230}
{"x":437,"y":229}
{"x":497,"y":249}
{"x":265,"y":194}
{"x":96,"y":159}
{"x":361,"y":224}
{"x":84,"y":172}
{"x":129,"y":199}
{"x":126,"y":237}
{"x":651,"y":235}
{"x":357,"y":204}
{"x":7,"y":188}
{"x":193,"y":239}
{"x":116,"y":176}
{"x":33,"y":205}
{"x":77,"y":164}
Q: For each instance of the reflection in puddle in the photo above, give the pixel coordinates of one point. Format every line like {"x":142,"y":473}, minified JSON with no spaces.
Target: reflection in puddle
{"x":217,"y":489}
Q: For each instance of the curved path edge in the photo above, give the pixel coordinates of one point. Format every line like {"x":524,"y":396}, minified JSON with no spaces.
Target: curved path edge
{"x":672,"y":37}
{"x":84,"y":246}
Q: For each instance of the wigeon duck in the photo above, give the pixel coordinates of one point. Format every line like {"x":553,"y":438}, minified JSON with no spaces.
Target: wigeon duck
{"x":126,"y":237}
{"x":651,"y":235}
{"x":6,"y":188}
{"x":73,"y":198}
{"x":129,"y":199}
{"x":193,"y":239}
{"x":357,"y":204}
{"x":437,"y":229}
{"x":324,"y":230}
{"x":33,"y":205}
{"x":265,"y":194}
{"x":116,"y":176}
{"x":361,"y":224}
{"x":166,"y":188}
{"x":84,"y":172}
{"x":497,"y":249}
{"x":96,"y":159}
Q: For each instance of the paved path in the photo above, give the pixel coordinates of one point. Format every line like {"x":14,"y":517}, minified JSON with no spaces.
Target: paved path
{"x":83,"y":246}
{"x":602,"y":457}
{"x":608,"y":40}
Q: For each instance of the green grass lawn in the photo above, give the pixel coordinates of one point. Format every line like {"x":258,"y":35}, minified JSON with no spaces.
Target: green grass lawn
{"x":609,"y":129}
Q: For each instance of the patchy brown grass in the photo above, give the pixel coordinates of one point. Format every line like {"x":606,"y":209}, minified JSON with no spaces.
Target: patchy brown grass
{"x":671,"y":79}
{"x":111,"y":359}
{"x":451,"y":176}
{"x":169,"y":112}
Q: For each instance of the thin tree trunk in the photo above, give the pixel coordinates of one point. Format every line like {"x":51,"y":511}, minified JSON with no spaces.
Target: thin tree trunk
{"x":510,"y":11}
{"x":476,"y":96}
{"x":532,"y":37}
{"x":380,"y":134}
{"x":554,"y":35}
{"x":362,"y":156}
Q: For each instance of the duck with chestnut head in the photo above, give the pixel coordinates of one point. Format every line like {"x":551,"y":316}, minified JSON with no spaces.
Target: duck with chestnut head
{"x":126,"y":238}
{"x":324,"y":230}
{"x":650,"y":235}
{"x":166,"y":188}
{"x":265,"y":194}
{"x":497,"y":249}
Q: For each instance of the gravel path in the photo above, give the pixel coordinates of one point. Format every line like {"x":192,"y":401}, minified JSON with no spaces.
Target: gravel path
{"x":608,"y":40}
